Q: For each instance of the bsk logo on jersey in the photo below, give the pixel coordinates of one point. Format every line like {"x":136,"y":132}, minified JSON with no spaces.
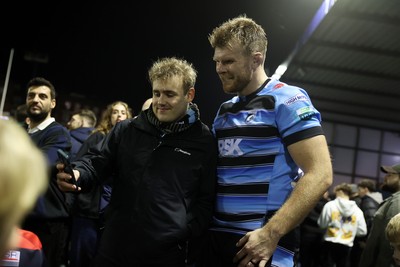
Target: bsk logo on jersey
{"x":230,"y":147}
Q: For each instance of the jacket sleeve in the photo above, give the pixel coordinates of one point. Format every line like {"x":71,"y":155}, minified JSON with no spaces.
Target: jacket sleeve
{"x":371,"y":250}
{"x":56,"y":138}
{"x":361,"y":225}
{"x":97,"y":163}
{"x":377,"y":251}
{"x":200,"y":217}
{"x":369,"y":207}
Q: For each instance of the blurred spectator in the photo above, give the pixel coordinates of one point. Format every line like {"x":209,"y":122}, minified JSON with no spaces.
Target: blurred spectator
{"x":80,"y":126}
{"x":354,"y":194}
{"x":369,"y":204}
{"x":89,"y":206}
{"x":377,"y":251}
{"x":393,"y":235}
{"x":343,"y":221}
{"x":21,"y":116}
{"x":23,"y":177}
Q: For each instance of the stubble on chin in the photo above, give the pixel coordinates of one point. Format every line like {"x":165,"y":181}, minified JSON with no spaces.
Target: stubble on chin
{"x":228,"y":87}
{"x":37,"y":117}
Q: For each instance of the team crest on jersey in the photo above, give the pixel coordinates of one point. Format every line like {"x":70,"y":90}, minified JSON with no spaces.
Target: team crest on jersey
{"x":250,"y":117}
{"x":305,"y":113}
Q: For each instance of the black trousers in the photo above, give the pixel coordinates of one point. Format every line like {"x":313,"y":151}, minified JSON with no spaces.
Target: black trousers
{"x":54,"y":235}
{"x":135,"y":252}
{"x":335,"y":254}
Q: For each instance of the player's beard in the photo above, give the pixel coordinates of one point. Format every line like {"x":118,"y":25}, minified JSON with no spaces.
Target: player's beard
{"x":235,"y":84}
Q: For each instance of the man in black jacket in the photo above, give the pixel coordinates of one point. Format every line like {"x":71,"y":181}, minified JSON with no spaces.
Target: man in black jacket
{"x":369,"y":203}
{"x":165,"y":165}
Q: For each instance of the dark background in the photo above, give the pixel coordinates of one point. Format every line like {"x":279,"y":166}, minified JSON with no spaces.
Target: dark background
{"x":98,"y":53}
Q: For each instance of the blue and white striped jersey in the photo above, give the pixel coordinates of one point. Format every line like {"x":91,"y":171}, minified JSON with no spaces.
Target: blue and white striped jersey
{"x":256,"y":174}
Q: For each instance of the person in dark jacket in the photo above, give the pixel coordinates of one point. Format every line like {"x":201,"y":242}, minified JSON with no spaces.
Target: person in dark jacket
{"x":369,"y":203}
{"x":80,"y":126}
{"x":377,"y":251}
{"x":89,"y":206}
{"x":50,"y":219}
{"x":165,"y":165}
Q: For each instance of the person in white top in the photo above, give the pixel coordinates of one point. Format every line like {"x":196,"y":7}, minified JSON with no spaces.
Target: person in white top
{"x":343,"y":221}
